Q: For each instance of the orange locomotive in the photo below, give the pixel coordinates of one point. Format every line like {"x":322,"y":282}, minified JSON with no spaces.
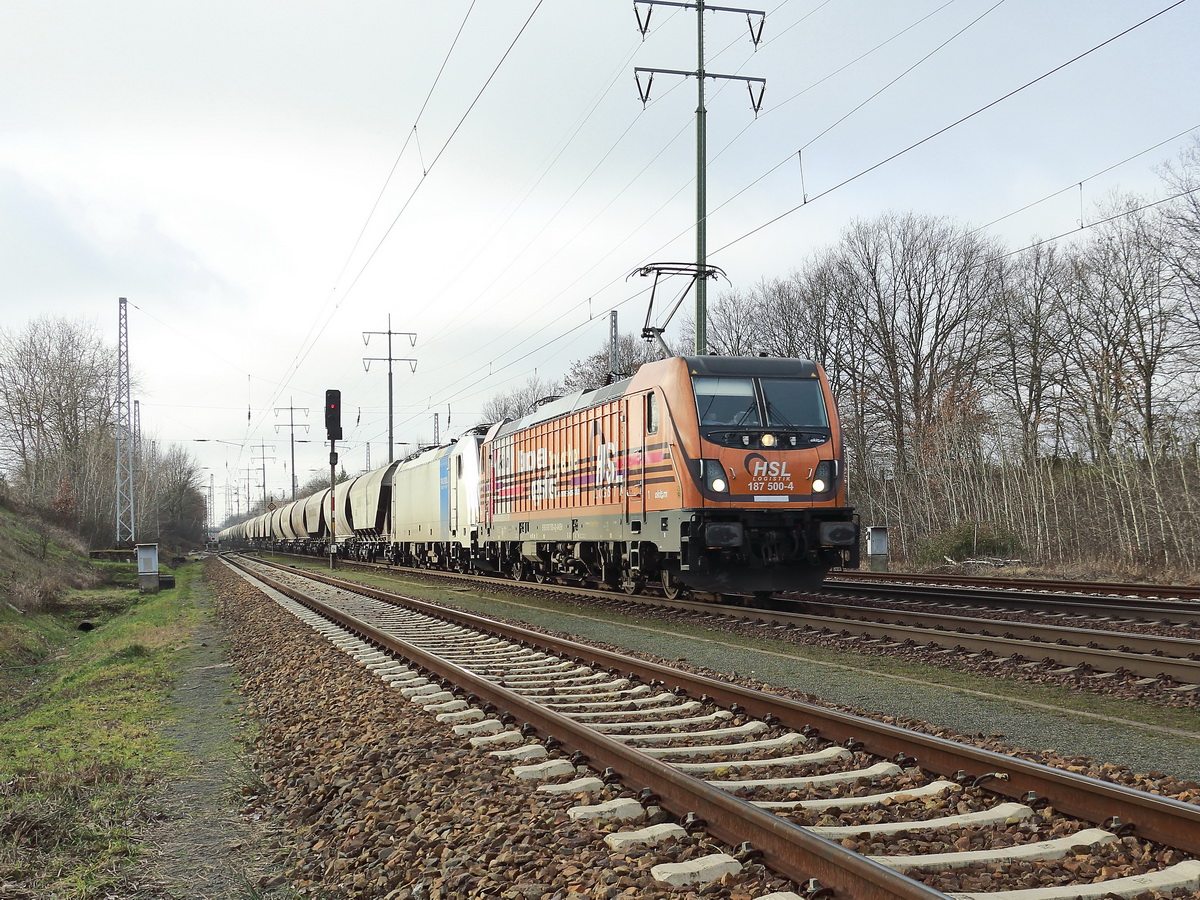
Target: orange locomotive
{"x":716,"y":474}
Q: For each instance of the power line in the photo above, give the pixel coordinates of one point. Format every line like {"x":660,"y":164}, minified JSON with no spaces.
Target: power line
{"x":569,"y":331}
{"x":317,"y":330}
{"x":411,"y":134}
{"x":434,"y":339}
{"x":545,"y":171}
{"x":923,"y":59}
{"x":683,"y":187}
{"x":443,"y":149}
{"x":1083,"y":181}
{"x":1098,"y":222}
{"x":942,"y":130}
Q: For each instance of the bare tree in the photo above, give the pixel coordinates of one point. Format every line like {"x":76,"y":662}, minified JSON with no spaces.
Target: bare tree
{"x":1032,"y":332}
{"x":1181,"y":244}
{"x":596,"y":370}
{"x":923,"y":294}
{"x":1126,"y":343}
{"x":735,"y":323}
{"x":57,"y":413}
{"x":520,"y":400}
{"x":57,"y":384}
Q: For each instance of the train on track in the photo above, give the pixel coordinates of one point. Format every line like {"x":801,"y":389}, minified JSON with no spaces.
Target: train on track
{"x":710,"y":474}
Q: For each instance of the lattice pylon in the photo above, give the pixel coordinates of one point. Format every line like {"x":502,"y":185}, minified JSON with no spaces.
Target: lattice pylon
{"x":124,"y":436}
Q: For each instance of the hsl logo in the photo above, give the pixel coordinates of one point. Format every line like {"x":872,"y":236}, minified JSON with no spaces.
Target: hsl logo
{"x":757,"y":466}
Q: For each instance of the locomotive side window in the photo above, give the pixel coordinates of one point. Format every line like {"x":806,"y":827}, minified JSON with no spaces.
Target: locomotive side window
{"x":794,"y":403}
{"x":726,"y":401}
{"x":651,"y":413}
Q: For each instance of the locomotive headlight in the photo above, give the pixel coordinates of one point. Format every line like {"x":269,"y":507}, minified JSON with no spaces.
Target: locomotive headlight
{"x":712,"y":476}
{"x":823,"y":477}
{"x":768,"y":440}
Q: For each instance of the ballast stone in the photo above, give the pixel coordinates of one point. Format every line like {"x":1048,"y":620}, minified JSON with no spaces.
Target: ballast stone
{"x":696,"y":871}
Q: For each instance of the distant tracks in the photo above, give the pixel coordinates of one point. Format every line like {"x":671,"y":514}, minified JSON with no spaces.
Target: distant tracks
{"x":1098,"y":637}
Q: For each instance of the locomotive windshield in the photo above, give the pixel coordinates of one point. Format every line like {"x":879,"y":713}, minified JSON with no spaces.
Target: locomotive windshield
{"x":727,"y":401}
{"x":794,"y":403}
{"x":746,"y":402}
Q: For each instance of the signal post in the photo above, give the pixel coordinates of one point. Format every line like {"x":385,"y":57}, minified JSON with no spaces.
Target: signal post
{"x":333,"y":430}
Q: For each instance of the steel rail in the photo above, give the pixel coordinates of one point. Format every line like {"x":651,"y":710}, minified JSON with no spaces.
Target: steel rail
{"x":1162,"y":819}
{"x":1112,"y":588}
{"x":1175,"y":660}
{"x":1144,"y":655}
{"x":1170,"y":611}
{"x":1106,"y":651}
{"x":1071,"y":596}
{"x":785,"y":847}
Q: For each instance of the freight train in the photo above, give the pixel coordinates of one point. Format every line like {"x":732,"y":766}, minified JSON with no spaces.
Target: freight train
{"x":717,"y":475}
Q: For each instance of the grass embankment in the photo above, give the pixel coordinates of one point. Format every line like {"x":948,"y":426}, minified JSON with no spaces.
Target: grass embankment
{"x":80,"y":750}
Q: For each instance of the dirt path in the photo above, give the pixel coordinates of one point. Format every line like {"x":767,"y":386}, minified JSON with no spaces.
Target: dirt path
{"x":203,"y":847}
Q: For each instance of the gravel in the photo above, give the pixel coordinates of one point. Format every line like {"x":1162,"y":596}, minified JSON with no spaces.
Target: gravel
{"x":379,"y":800}
{"x":866,"y":684}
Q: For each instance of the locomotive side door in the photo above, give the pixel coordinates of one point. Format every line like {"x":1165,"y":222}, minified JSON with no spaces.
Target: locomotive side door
{"x":633,"y":441}
{"x":455,"y":475}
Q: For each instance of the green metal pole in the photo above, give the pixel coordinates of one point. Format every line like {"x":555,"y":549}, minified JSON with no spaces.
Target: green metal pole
{"x":701,"y":200}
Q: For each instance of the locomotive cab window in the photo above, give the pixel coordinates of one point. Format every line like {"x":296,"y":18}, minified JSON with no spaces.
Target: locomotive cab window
{"x":794,"y":403}
{"x":726,"y":401}
{"x":750,"y":402}
{"x":651,"y":413}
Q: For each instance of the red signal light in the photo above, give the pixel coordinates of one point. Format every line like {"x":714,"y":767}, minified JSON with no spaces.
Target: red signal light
{"x":333,"y":414}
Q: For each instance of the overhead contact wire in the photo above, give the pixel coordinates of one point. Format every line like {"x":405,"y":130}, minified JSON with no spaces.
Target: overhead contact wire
{"x":943,"y":130}
{"x":309,"y":344}
{"x":313,"y":333}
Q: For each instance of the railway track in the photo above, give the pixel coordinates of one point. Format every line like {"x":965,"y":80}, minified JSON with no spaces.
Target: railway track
{"x":1101,"y":642}
{"x":968,"y":586}
{"x":801,"y":786}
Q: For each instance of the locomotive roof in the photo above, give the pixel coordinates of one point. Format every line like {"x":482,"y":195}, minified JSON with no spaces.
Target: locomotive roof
{"x":772,"y":366}
{"x":696,"y":365}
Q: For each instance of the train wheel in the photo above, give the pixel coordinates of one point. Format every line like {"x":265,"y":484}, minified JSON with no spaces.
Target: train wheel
{"x":519,"y":571}
{"x":541,"y":576}
{"x":632,"y":585}
{"x":671,"y":587}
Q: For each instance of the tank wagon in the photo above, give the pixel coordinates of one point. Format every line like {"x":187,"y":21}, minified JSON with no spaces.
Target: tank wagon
{"x":713,"y":474}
